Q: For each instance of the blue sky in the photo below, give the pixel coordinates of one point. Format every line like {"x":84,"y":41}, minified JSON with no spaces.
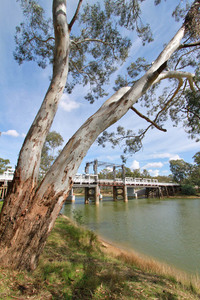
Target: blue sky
{"x":22,"y":89}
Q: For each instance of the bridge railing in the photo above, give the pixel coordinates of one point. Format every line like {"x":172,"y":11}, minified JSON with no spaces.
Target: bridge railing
{"x":86,"y":178}
{"x":7,"y":175}
{"x":131,"y":180}
{"x":93,"y":179}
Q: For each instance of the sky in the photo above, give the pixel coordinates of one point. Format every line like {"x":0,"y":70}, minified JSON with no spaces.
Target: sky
{"x":22,"y":89}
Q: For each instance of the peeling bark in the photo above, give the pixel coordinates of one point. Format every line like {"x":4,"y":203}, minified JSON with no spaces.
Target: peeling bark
{"x":20,"y":197}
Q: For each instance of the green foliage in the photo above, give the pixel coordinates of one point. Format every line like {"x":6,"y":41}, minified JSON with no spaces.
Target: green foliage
{"x":196,"y":158}
{"x":188,"y":189}
{"x":100,"y":43}
{"x":128,"y":13}
{"x":106,"y":173}
{"x":182,"y":106}
{"x":180,"y":169}
{"x":53,"y":141}
{"x":78,"y":216}
{"x":192,"y":123}
{"x":4,"y":165}
{"x":34,"y":41}
{"x":185,"y":173}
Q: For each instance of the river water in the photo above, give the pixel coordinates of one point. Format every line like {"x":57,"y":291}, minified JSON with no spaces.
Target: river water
{"x":167,"y":230}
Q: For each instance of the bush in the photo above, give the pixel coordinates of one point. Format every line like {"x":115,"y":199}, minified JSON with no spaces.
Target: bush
{"x":188,"y":189}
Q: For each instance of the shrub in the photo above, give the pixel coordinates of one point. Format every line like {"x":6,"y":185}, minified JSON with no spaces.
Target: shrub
{"x":188,"y":189}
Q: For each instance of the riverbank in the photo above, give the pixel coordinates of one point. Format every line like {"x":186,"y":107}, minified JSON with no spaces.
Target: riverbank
{"x":76,"y":265}
{"x":149,"y":264}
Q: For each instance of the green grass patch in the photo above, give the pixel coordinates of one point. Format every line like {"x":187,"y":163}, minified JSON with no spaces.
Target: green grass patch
{"x":73,"y":266}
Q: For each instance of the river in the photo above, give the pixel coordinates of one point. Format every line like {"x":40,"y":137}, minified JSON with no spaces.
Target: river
{"x":167,"y":230}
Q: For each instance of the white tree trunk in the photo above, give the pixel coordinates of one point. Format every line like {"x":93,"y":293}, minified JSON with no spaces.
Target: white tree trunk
{"x":20,"y":197}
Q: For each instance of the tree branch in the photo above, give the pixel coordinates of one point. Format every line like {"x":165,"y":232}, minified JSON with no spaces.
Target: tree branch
{"x":36,"y":38}
{"x":147,"y":119}
{"x":176,"y":75}
{"x":75,"y":15}
{"x":94,"y":40}
{"x":170,"y":100}
{"x":184,"y":54}
{"x":189,"y":45}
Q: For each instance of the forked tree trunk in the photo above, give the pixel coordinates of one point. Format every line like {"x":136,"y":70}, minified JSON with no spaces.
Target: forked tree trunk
{"x":27,"y":220}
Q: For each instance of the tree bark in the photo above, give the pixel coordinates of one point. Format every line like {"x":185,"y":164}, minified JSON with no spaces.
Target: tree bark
{"x":29,"y":214}
{"x":25,"y":181}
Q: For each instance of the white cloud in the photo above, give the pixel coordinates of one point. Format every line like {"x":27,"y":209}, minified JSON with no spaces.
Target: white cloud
{"x":165,"y":155}
{"x":135,"y":165}
{"x":154,"y":172}
{"x":11,"y":132}
{"x":174,"y":157}
{"x":153,"y":165}
{"x":68,"y":104}
{"x":109,"y":169}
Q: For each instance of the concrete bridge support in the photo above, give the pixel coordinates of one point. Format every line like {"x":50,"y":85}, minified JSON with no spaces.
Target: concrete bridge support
{"x":92,"y":193}
{"x":3,"y":191}
{"x":131,"y":192}
{"x":120,"y":191}
{"x":71,"y":197}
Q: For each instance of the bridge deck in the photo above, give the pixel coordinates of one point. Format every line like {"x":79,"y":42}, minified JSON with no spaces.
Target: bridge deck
{"x":88,"y":180}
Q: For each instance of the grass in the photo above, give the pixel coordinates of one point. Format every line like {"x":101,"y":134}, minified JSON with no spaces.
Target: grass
{"x":74,"y":266}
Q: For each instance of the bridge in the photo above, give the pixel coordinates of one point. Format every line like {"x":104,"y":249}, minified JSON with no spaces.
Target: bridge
{"x":5,"y":179}
{"x":122,"y":188}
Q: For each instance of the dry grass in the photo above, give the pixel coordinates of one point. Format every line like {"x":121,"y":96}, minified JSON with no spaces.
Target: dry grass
{"x":150,"y":265}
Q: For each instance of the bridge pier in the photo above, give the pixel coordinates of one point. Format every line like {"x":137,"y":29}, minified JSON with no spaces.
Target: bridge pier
{"x":92,"y":193}
{"x":131,"y":192}
{"x":3,"y":191}
{"x":120,"y":191}
{"x":71,"y":196}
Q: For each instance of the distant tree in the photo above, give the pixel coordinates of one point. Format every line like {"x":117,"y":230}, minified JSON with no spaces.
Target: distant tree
{"x":162,"y":178}
{"x":185,"y":173}
{"x":4,"y":165}
{"x":53,"y":141}
{"x":106,"y":174}
{"x":196,"y":158}
{"x":180,"y":170}
{"x":145,"y":174}
{"x":194,"y":178}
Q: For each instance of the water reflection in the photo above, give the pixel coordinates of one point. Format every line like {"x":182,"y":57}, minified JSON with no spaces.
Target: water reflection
{"x":165,"y":229}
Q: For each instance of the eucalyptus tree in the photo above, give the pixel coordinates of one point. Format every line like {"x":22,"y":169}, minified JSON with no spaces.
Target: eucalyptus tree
{"x":4,"y":165}
{"x":180,"y":170}
{"x":86,"y":50}
{"x":48,"y":155}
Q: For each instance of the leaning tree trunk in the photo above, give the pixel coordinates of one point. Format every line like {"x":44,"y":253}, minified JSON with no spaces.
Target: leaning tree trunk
{"x":23,"y":234}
